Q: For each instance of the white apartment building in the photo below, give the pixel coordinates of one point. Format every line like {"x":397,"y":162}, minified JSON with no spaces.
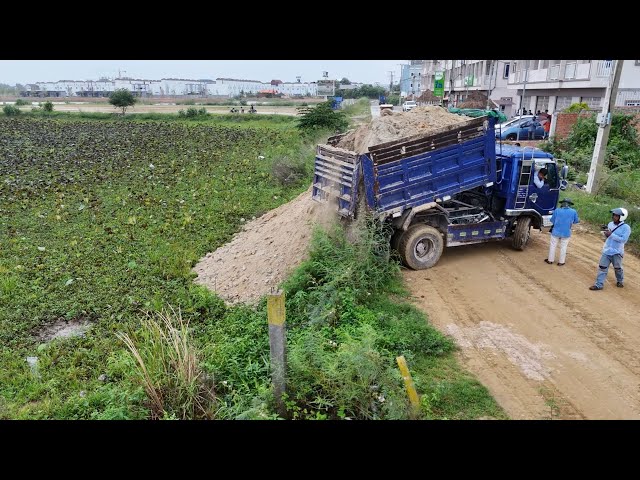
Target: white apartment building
{"x":555,"y":84}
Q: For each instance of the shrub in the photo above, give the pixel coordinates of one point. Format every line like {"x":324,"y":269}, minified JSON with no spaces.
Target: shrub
{"x":576,"y":107}
{"x":21,"y":102}
{"x":47,"y":107}
{"x":321,"y":117}
{"x":10,"y":110}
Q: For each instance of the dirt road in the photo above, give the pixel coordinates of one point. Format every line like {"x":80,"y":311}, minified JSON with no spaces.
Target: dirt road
{"x":534,"y":334}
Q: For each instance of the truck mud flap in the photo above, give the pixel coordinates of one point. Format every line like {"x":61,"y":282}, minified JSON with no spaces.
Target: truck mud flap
{"x":475,"y":233}
{"x":336,"y":175}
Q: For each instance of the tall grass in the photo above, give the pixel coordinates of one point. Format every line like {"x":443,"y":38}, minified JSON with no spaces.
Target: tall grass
{"x":168,"y":368}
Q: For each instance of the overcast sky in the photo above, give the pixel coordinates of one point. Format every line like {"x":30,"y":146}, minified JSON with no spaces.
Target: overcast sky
{"x":31,"y":71}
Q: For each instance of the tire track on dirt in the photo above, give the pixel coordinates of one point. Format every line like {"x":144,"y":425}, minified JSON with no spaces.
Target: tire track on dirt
{"x":584,"y":342}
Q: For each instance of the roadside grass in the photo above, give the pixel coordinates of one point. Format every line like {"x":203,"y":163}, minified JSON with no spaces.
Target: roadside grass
{"x":361,"y":108}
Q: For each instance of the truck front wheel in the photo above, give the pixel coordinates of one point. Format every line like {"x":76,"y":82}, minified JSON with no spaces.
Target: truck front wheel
{"x":522,"y":233}
{"x":421,"y":247}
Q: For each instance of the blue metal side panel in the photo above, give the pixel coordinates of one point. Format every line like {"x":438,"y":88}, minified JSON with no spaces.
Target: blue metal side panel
{"x":476,"y":232}
{"x":335,"y":179}
{"x":367,"y":166}
{"x":420,"y":179}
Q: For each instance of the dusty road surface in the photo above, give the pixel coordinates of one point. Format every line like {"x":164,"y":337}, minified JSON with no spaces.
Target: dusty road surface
{"x":534,"y":334}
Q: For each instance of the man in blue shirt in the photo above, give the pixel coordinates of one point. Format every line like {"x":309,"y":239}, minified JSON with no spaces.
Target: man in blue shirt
{"x":616,"y":235}
{"x":562,"y":220}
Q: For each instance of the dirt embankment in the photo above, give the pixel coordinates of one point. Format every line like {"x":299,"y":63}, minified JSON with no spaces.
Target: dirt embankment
{"x":534,"y":334}
{"x":264,"y":252}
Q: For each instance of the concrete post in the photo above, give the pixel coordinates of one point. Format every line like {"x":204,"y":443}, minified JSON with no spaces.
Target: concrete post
{"x":277,"y":347}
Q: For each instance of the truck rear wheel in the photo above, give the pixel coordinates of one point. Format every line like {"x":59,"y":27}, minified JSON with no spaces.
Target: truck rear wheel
{"x":522,"y":233}
{"x":421,"y":247}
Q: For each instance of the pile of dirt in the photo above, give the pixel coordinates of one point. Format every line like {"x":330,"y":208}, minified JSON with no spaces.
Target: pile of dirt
{"x":264,"y":252}
{"x":420,"y":120}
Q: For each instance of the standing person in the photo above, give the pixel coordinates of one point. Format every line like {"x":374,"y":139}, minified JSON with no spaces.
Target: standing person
{"x":547,"y":127}
{"x":562,"y":219}
{"x":616,"y":234}
{"x":531,"y":134}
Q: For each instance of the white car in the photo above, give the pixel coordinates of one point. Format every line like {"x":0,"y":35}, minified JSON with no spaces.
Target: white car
{"x":408,"y":105}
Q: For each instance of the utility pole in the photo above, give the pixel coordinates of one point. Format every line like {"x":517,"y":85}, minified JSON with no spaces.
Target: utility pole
{"x":603,"y":128}
{"x":524,"y":90}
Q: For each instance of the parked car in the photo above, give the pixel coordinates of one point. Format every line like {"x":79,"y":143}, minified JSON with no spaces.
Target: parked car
{"x":511,"y":122}
{"x":408,"y":105}
{"x":510,"y":132}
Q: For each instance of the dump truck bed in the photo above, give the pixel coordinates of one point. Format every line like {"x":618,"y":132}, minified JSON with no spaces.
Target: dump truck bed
{"x":408,"y":172}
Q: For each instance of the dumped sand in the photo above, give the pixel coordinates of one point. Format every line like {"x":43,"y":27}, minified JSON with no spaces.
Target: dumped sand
{"x":420,"y":120}
{"x":264,"y":252}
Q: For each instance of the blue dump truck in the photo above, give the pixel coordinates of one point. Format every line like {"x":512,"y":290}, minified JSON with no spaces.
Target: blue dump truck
{"x":452,"y":187}
{"x":336,"y":103}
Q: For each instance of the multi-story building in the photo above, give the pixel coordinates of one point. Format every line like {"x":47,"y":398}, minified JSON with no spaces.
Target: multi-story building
{"x":411,"y":78}
{"x":464,"y":76}
{"x":555,"y":84}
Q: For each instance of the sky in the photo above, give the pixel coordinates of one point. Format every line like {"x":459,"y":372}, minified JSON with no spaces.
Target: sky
{"x":32,"y":71}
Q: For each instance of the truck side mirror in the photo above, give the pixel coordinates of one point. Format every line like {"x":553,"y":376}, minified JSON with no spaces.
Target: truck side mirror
{"x":564,"y":172}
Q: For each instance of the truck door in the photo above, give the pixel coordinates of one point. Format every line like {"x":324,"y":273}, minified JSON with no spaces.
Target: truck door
{"x":545,"y":199}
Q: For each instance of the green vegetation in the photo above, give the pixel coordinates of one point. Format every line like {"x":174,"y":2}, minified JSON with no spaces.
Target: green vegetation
{"x":21,"y":102}
{"x":11,"y":111}
{"x":122,"y":98}
{"x":596,"y":210}
{"x":576,"y":107}
{"x":368,"y":91}
{"x":47,"y":107}
{"x":167,"y":366}
{"x":102,"y":219}
{"x":622,"y":149}
{"x":321,"y":117}
{"x":346,"y":331}
{"x":620,"y":182}
{"x":361,"y":110}
{"x":193,"y":112}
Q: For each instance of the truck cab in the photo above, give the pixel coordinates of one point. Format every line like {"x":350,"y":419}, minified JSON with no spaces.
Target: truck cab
{"x":516,"y":169}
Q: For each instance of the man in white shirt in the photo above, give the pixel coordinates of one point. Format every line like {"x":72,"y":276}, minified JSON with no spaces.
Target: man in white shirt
{"x":539,"y":177}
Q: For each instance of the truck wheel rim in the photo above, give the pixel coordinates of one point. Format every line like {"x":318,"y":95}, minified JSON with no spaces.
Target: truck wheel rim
{"x":424,"y":247}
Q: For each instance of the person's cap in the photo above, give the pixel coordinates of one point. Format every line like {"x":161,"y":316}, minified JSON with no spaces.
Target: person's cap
{"x":567,"y":201}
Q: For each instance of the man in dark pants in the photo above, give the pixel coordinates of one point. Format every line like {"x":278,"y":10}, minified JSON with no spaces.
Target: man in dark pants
{"x":616,"y":234}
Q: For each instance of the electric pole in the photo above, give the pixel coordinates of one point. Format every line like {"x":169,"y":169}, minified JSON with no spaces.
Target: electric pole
{"x":604,"y":126}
